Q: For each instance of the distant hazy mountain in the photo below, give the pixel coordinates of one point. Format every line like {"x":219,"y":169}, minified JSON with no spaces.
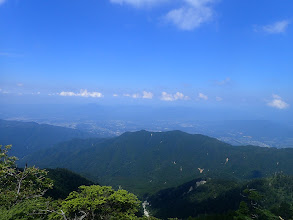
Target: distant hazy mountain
{"x":113,"y":120}
{"x":28,"y":137}
{"x":145,"y":162}
{"x":252,"y":132}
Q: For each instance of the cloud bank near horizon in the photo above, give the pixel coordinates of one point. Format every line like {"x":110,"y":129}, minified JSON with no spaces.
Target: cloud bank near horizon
{"x":82,"y":93}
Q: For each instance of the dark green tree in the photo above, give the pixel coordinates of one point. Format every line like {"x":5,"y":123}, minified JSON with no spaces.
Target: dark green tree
{"x":21,"y":190}
{"x":251,"y":208}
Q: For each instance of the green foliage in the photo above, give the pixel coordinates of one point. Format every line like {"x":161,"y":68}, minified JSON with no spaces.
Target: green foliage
{"x":28,"y":209}
{"x":222,"y":199}
{"x":18,"y":185}
{"x":191,"y":199}
{"x":285,"y":210}
{"x":252,"y":209}
{"x":99,"y":202}
{"x":147,"y":162}
{"x":243,"y":212}
{"x":65,"y":182}
{"x":20,"y":189}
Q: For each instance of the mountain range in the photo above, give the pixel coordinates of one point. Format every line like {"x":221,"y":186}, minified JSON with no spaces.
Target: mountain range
{"x":145,"y":162}
{"x":28,"y":137}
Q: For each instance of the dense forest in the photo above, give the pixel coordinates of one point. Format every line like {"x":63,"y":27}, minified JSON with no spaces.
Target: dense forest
{"x":32,"y":193}
{"x":146,"y":162}
{"x":22,"y":196}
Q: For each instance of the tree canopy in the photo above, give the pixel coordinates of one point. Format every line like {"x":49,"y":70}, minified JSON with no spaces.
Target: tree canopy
{"x":22,"y":190}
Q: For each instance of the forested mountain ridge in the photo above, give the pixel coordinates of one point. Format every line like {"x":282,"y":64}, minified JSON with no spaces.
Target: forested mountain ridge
{"x":146,"y":162}
{"x":221,"y":198}
{"x":64,"y":182}
{"x":22,"y":197}
{"x":28,"y":137}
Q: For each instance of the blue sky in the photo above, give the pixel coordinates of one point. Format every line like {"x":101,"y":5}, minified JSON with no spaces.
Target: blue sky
{"x":186,"y":52}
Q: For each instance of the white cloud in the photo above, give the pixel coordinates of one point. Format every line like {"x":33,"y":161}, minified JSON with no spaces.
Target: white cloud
{"x":219,"y":99}
{"x":139,"y":3}
{"x":203,"y":96}
{"x":83,"y":93}
{"x":275,"y":28}
{"x":167,"y":97}
{"x":278,"y":103}
{"x":115,"y":95}
{"x":67,"y":94}
{"x":147,"y":95}
{"x":276,"y":96}
{"x":181,"y":96}
{"x":135,"y":96}
{"x":189,"y":15}
{"x":177,"y":96}
{"x":192,"y":15}
{"x":18,"y":84}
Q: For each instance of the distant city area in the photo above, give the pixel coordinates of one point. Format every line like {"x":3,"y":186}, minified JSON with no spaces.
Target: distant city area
{"x":233,"y":132}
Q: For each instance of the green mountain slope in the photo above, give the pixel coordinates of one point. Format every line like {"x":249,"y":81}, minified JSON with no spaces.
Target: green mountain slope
{"x":145,"y":162}
{"x":28,"y":137}
{"x":65,"y":182}
{"x":221,"y":197}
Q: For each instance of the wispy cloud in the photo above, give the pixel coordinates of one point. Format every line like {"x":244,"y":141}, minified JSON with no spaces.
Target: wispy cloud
{"x":38,"y":93}
{"x":135,"y":95}
{"x":4,"y":92}
{"x":19,"y":84}
{"x":5,"y":54}
{"x":82,"y":93}
{"x":203,"y":96}
{"x":189,"y":15}
{"x":144,"y":95}
{"x":223,"y":82}
{"x":192,"y":14}
{"x":274,"y":28}
{"x":147,"y":95}
{"x":277,"y":102}
{"x":173,"y":97}
{"x":219,"y":99}
{"x":2,"y":2}
{"x":139,"y":3}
